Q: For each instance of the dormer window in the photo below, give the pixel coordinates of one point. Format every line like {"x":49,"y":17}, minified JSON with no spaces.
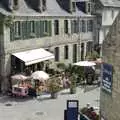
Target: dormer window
{"x":88,"y":7}
{"x":73,"y":6}
{"x":44,"y":4}
{"x":15,"y":4}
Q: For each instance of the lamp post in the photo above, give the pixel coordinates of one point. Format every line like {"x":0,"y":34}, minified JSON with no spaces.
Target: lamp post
{"x":79,"y":39}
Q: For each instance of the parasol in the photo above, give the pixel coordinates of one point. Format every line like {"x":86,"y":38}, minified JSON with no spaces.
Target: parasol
{"x":19,"y":77}
{"x":40,"y":75}
{"x":85,"y":63}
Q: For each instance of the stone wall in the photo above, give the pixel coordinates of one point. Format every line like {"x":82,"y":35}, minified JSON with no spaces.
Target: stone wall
{"x":110,"y":103}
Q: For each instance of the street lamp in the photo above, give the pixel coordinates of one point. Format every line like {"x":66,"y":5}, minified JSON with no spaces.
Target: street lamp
{"x":79,"y":39}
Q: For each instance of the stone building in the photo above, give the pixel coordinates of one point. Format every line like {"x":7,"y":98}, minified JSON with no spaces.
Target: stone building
{"x":58,"y":28}
{"x":110,"y":103}
{"x":106,"y":12}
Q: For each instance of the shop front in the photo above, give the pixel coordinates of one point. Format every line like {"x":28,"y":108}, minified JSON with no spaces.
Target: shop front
{"x":30,"y":61}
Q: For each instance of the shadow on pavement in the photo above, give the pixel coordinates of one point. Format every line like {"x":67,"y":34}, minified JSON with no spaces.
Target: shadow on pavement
{"x":65,"y":93}
{"x":6,"y":99}
{"x":89,"y":88}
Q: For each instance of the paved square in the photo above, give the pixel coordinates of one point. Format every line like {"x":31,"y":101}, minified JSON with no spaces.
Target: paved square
{"x":45,"y":108}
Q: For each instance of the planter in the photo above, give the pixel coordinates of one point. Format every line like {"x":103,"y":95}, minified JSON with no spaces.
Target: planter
{"x":54,"y":95}
{"x":73,"y":90}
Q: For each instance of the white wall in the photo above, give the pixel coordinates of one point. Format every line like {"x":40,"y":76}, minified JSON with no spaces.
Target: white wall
{"x":107,"y":17}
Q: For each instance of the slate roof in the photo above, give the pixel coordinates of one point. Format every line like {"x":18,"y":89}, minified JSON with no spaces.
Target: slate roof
{"x":111,"y":3}
{"x":53,"y":9}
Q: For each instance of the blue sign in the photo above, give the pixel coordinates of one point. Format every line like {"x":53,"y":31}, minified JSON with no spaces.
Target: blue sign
{"x":107,"y":75}
{"x":72,"y":110}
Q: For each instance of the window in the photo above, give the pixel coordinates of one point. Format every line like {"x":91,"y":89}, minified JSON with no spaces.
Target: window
{"x":66,"y":52}
{"x":82,"y":51}
{"x":15,"y":2}
{"x":89,"y":47}
{"x":83,"y":26}
{"x":17,"y":28}
{"x":66,"y":26}
{"x":56,"y":27}
{"x":89,"y":8}
{"x":57,"y":54}
{"x":74,"y":53}
{"x":89,"y":25}
{"x":73,"y":6}
{"x":32,"y":27}
{"x":46,"y":26}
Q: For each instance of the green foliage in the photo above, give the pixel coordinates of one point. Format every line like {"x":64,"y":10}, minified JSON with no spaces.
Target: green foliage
{"x":53,"y":85}
{"x":92,"y":55}
{"x":84,"y":110}
{"x":61,"y":66}
{"x":73,"y":84}
{"x":71,"y":69}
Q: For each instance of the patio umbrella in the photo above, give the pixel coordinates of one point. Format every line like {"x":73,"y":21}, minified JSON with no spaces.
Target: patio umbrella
{"x":85,"y":63}
{"x":40,"y":75}
{"x":15,"y":79}
{"x":19,"y":77}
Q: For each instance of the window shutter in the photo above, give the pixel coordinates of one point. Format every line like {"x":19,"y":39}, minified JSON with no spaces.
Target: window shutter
{"x":72,"y":27}
{"x":24,"y":30}
{"x":77,"y":26}
{"x":12,"y":38}
{"x":50,"y":28}
{"x":28,"y":29}
{"x":41,"y":28}
{"x":37,"y":24}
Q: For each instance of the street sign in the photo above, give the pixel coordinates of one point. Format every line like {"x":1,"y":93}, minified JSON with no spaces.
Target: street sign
{"x":107,"y":75}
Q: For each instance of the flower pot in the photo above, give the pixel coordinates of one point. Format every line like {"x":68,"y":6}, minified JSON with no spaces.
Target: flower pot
{"x":73,"y":90}
{"x":54,"y":95}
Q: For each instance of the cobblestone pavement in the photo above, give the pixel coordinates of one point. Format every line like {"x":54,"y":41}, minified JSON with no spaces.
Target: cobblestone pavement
{"x":45,"y":108}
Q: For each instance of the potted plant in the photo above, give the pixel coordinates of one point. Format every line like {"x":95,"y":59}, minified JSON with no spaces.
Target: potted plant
{"x":53,"y":87}
{"x":73,"y":84}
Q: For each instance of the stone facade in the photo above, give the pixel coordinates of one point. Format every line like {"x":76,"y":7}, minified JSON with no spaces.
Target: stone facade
{"x":110,"y":103}
{"x":8,"y":47}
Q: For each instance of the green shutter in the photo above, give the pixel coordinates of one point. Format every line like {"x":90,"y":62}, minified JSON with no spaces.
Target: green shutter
{"x":41,"y":28}
{"x":28,"y":29}
{"x":12,"y":32}
{"x":37,"y":24}
{"x":50,"y":28}
{"x":24,"y":30}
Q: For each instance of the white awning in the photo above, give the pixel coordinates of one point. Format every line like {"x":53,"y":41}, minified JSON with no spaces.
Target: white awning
{"x":34,"y":56}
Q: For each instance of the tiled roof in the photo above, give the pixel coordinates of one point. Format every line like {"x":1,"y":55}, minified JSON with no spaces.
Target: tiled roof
{"x":53,"y":9}
{"x":111,"y":3}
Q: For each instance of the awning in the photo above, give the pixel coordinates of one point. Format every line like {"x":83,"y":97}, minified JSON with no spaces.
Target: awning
{"x":34,"y":56}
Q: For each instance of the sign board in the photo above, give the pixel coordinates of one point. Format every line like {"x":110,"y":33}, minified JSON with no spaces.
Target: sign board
{"x":72,"y":104}
{"x":107,"y":75}
{"x":72,"y":110}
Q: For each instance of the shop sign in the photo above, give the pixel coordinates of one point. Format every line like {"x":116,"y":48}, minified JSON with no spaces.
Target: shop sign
{"x":107,"y":76}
